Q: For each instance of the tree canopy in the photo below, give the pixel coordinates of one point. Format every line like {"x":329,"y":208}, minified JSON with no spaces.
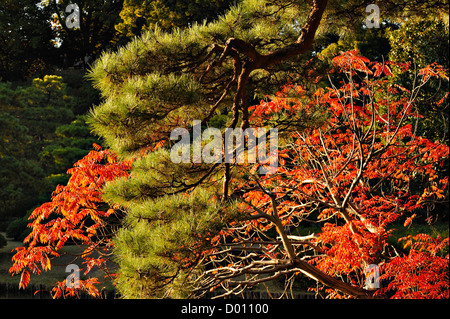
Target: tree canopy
{"x":25,"y":39}
{"x":138,"y":16}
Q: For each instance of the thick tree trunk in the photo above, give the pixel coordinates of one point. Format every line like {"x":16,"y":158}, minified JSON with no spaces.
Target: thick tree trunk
{"x":254,"y":61}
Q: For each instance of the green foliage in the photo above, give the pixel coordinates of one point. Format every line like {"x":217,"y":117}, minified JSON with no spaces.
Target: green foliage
{"x":39,"y":137}
{"x":18,"y":229}
{"x":74,"y":141}
{"x":40,"y":107}
{"x":419,"y":41}
{"x":346,"y":16}
{"x":157,"y":247}
{"x":138,"y":15}
{"x":80,"y":89}
{"x":423,"y":42}
{"x":153,"y":175}
{"x":13,"y":135}
{"x":96,"y":32}
{"x":152,"y":85}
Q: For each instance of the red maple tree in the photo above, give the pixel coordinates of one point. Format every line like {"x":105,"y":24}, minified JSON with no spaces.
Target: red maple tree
{"x":76,"y":214}
{"x":359,"y":174}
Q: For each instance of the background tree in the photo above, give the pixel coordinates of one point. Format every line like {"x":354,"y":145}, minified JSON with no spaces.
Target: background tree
{"x":40,"y":139}
{"x":417,"y":40}
{"x":34,"y":112}
{"x":25,"y":37}
{"x":178,"y":77}
{"x":73,"y":142}
{"x":96,"y":31}
{"x":138,"y":15}
{"x":341,"y":14}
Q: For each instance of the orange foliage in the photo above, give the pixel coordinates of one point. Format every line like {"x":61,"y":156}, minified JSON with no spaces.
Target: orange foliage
{"x":358,"y":174}
{"x":77,"y":213}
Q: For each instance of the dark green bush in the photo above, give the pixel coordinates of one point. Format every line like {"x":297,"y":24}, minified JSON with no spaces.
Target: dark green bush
{"x":3,"y":241}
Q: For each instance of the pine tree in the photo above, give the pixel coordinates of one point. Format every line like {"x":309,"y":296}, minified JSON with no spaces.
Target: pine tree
{"x":162,"y":81}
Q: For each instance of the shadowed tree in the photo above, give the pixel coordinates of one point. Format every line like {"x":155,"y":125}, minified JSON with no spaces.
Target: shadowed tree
{"x":25,"y":40}
{"x":96,"y":20}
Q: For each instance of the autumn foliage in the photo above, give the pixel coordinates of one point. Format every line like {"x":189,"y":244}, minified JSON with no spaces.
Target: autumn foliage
{"x":76,"y":214}
{"x":360,"y":171}
{"x":360,"y":175}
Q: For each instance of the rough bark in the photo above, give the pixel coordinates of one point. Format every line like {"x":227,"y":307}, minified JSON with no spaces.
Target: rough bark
{"x":243,"y":67}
